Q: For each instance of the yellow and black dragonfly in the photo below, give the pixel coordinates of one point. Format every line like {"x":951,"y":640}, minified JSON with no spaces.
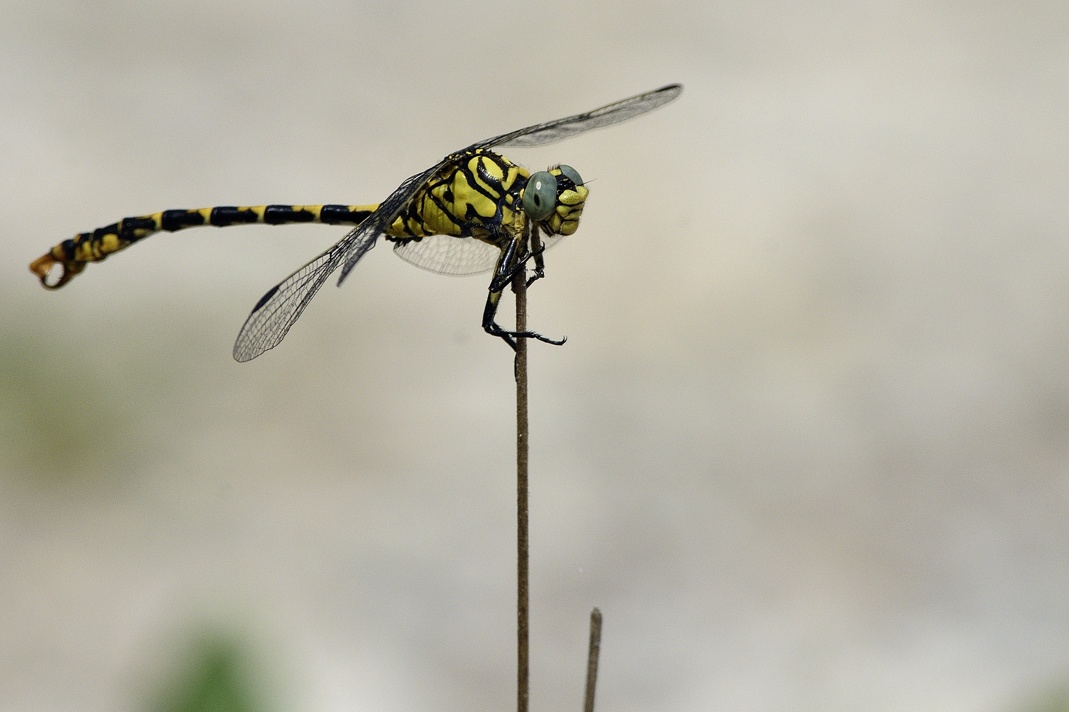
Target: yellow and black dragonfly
{"x":475,"y":210}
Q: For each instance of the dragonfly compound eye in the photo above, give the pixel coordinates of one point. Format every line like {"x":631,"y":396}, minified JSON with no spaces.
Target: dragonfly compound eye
{"x":571,"y":174}
{"x":540,"y":195}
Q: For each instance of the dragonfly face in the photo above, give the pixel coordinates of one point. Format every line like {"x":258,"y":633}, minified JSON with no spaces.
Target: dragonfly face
{"x":554,"y":199}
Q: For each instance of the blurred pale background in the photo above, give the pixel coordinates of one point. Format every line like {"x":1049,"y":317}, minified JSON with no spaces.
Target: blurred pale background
{"x":806,"y":446}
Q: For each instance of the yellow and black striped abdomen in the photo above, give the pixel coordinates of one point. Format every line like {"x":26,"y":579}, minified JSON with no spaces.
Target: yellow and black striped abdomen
{"x":72,"y":255}
{"x":473,"y":194}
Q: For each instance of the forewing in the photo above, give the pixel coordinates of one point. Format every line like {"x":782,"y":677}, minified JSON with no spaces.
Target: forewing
{"x":445,"y":254}
{"x":567,"y":127}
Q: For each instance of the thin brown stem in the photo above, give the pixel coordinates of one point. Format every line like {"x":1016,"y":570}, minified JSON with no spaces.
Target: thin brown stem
{"x":592,"y":660}
{"x":519,"y":287}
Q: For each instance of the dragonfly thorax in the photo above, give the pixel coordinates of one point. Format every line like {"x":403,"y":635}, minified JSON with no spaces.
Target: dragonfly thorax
{"x":474,"y":193}
{"x":479,"y":193}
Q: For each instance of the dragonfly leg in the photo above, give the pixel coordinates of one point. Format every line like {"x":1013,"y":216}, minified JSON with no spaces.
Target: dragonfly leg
{"x":491,"y":327}
{"x":508,"y":266}
{"x":504,"y":276}
{"x":540,"y":265}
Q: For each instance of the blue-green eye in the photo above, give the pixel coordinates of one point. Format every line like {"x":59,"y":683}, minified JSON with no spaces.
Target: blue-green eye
{"x":571,"y":174}
{"x":540,"y":195}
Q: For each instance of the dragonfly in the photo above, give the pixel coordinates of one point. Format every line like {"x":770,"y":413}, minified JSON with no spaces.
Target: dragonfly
{"x":473,"y":211}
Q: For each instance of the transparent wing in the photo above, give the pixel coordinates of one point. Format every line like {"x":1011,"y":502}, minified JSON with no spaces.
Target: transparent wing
{"x":449,"y":255}
{"x":387,"y":211}
{"x":284,"y":303}
{"x":567,"y":127}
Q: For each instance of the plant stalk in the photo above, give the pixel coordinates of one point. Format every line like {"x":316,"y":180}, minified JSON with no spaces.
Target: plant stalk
{"x":519,"y":288}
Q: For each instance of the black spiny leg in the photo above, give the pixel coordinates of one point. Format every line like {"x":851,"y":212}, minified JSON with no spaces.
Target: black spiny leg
{"x":490,"y":326}
{"x":507,"y":266}
{"x":537,"y":248}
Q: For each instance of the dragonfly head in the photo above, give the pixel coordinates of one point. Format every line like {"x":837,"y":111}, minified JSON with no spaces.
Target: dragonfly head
{"x":554,"y":199}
